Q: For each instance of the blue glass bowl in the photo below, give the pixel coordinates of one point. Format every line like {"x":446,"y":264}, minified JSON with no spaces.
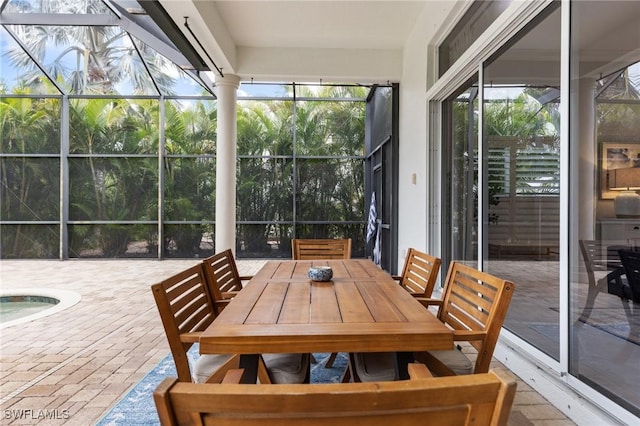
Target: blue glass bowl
{"x":320,"y":273}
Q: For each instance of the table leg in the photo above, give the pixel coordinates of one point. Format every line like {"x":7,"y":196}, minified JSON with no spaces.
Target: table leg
{"x":249,"y":362}
{"x":403,"y":359}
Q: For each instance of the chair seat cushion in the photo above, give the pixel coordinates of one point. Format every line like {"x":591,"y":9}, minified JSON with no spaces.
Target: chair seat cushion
{"x":206,"y":365}
{"x":375,"y":366}
{"x":455,"y":360}
{"x":287,"y":368}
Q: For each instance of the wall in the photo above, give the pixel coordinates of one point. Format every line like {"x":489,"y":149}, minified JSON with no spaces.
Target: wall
{"x":412,"y":227}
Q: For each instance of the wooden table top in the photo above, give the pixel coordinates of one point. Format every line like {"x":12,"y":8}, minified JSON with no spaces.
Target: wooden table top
{"x":361,"y":310}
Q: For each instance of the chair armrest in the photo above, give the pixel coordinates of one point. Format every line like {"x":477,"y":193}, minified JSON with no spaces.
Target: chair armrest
{"x":161,"y":399}
{"x":192,"y":337}
{"x":165,"y":385}
{"x":418,"y":370}
{"x":426,"y":301}
{"x":616,"y":284}
{"x":468,"y":335}
{"x":221,"y":304}
{"x":233,"y":376}
{"x":229,"y":294}
{"x":616,"y":273}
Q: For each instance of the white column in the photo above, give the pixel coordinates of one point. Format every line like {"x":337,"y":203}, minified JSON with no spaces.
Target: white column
{"x":227,"y":92}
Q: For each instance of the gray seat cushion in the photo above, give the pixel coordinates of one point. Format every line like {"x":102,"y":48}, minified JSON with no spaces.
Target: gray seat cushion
{"x":375,"y":366}
{"x":283,"y":368}
{"x":287,"y":368}
{"x":381,"y":366}
{"x":455,"y":360}
{"x":206,"y":365}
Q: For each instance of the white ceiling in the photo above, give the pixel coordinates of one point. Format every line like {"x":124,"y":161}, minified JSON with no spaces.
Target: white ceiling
{"x":320,"y":24}
{"x":362,"y":41}
{"x":355,"y":40}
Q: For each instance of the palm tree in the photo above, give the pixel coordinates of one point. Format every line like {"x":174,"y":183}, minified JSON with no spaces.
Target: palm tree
{"x":330,"y":188}
{"x":189,"y":182}
{"x":113,"y":160}
{"x":112,"y":188}
{"x":29,"y":185}
{"x":264,"y":176}
{"x":87,"y":59}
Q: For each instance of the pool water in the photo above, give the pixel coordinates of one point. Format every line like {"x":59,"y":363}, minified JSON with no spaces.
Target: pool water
{"x":16,"y":307}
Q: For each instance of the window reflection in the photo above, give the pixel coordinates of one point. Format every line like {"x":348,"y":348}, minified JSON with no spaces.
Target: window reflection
{"x":605,"y":332}
{"x":522,"y":147}
{"x":461,"y":172}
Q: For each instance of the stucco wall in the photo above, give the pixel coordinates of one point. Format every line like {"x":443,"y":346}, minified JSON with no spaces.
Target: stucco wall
{"x":413,"y":229}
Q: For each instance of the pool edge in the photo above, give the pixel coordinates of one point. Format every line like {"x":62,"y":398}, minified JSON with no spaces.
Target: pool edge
{"x":67,"y":299}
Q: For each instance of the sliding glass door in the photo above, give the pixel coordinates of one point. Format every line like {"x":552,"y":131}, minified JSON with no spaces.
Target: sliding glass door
{"x":460,"y":175}
{"x":575,"y":305}
{"x":521,"y":133}
{"x":605,"y":131}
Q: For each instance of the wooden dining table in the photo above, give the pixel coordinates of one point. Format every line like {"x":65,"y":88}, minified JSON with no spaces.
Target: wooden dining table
{"x":362,"y":309}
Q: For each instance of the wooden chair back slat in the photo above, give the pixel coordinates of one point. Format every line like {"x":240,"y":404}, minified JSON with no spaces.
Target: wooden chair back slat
{"x":185,"y":306}
{"x":468,"y":308}
{"x":459,"y":319}
{"x":191,"y":308}
{"x":483,"y":399}
{"x":484,"y":287}
{"x":222,"y":274}
{"x":313,"y":249}
{"x":420,"y":272}
{"x":194,"y":319}
{"x":476,"y":301}
{"x":601,"y":255}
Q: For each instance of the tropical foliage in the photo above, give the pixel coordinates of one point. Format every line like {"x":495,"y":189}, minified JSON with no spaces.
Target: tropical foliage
{"x":30,"y":184}
{"x":300,"y":171}
{"x":93,"y":156}
{"x":114,"y":176}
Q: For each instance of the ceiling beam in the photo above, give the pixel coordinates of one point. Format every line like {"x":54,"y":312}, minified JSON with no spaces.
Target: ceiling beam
{"x":160,"y":16}
{"x":366,"y":66}
{"x":208,"y":27}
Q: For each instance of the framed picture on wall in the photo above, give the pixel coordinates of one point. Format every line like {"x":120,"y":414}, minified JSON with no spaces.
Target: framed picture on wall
{"x":619,"y":168}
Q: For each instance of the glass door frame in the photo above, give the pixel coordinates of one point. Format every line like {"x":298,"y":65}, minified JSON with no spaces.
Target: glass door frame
{"x":555,"y":372}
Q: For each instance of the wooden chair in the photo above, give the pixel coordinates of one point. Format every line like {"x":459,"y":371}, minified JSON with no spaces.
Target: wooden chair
{"x":311,"y":249}
{"x":317,"y":249}
{"x":631,"y":263}
{"x":419,"y":273}
{"x":474,"y":305}
{"x":418,"y":278}
{"x":186,"y":309}
{"x":605,"y":273}
{"x":482,"y":399}
{"x":224,"y":283}
{"x":222,"y":275}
